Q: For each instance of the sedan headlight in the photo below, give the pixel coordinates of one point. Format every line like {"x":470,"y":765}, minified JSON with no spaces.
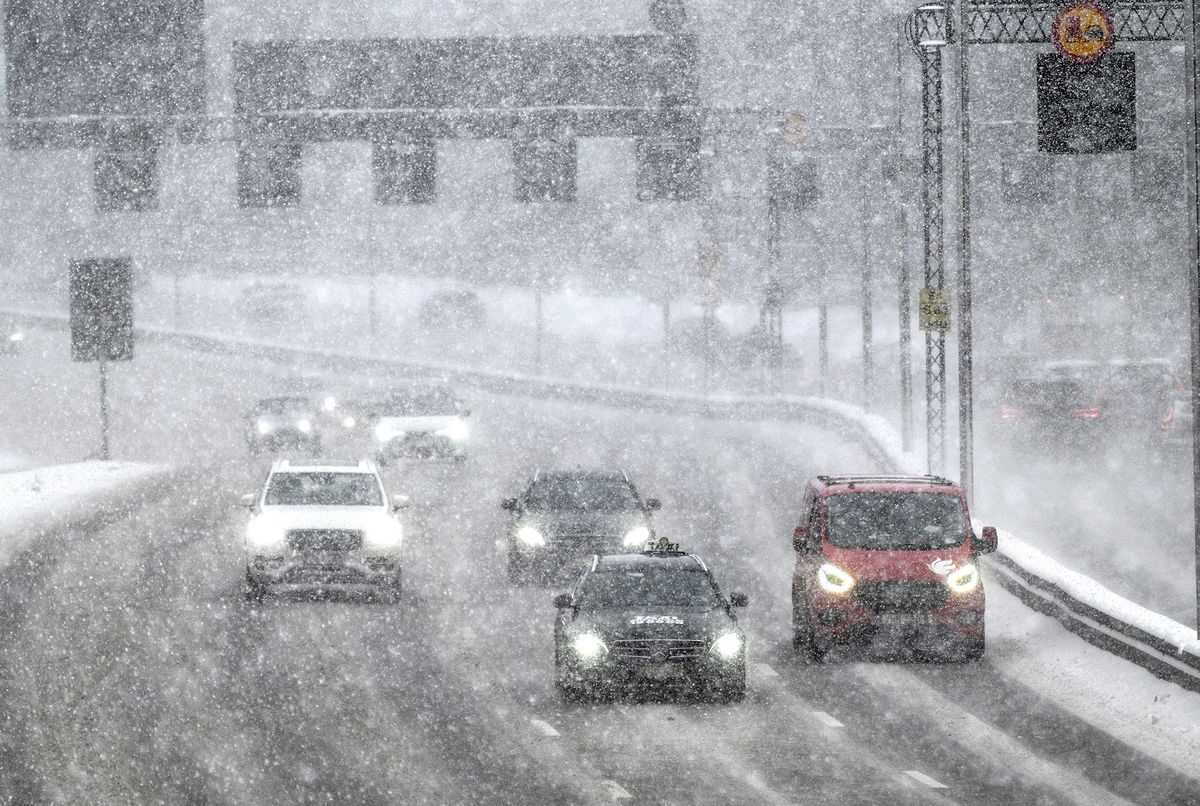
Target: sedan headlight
{"x":588,"y":646}
{"x":636,"y":536}
{"x":456,"y":430}
{"x":17,"y":337}
{"x":964,"y":579}
{"x":531,"y":537}
{"x":304,"y":426}
{"x":348,"y":422}
{"x":261,"y":535}
{"x":833,"y":579}
{"x":264,"y":427}
{"x":329,"y":403}
{"x":728,"y":646}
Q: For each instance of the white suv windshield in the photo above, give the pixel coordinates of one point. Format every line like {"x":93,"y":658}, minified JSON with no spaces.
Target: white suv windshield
{"x":324,"y":489}
{"x":895,"y":520}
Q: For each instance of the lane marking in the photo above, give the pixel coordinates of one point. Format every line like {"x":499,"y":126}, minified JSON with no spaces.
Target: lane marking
{"x":917,"y":775}
{"x":755,"y":781}
{"x":616,"y":791}
{"x":545,"y":727}
{"x":828,"y":719}
{"x":765,"y":670}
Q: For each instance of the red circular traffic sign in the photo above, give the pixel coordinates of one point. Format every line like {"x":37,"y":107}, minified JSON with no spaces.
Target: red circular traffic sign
{"x":1083,"y":31}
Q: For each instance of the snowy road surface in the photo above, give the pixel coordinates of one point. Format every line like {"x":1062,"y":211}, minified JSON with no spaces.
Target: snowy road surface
{"x":133,"y":672}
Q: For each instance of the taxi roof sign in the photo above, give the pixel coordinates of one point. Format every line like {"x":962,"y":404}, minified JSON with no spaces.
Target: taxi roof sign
{"x":1083,"y":31}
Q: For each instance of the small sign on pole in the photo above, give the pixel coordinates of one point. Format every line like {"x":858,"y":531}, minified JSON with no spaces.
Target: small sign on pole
{"x":933,"y":313}
{"x":1083,"y":32}
{"x":101,"y":297}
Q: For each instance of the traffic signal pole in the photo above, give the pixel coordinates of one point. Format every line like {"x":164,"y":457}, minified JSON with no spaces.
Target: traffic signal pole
{"x":1192,"y":149}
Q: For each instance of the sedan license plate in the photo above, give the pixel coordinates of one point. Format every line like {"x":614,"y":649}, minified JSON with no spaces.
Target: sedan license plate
{"x":661,"y":672}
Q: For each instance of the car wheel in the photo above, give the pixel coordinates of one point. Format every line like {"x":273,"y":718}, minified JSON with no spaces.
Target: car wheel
{"x":804,"y":640}
{"x":253,"y":590}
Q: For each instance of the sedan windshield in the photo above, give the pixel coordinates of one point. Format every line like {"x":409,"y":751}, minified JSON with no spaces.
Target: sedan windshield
{"x":324,"y":489}
{"x":895,"y":520}
{"x":284,"y":405}
{"x":646,"y":588}
{"x":582,"y":492}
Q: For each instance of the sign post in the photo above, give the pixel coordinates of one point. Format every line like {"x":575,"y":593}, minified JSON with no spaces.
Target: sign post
{"x":933,"y":312}
{"x":101,"y":303}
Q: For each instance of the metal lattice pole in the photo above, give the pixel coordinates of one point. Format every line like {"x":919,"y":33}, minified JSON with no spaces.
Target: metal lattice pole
{"x":928,"y":35}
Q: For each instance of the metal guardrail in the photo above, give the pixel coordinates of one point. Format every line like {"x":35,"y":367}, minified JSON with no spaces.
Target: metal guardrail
{"x":1161,"y":654}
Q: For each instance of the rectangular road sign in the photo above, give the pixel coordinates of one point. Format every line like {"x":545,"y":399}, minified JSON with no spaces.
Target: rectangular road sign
{"x":934,"y":310}
{"x":101,"y":309}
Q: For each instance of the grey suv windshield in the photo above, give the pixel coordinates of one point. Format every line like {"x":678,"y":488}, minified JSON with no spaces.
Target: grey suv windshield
{"x":576,"y":492}
{"x":324,"y":489}
{"x":895,"y":520}
{"x":649,"y":587}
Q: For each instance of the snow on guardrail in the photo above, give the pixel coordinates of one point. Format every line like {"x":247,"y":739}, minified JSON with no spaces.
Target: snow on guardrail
{"x":1083,"y":605}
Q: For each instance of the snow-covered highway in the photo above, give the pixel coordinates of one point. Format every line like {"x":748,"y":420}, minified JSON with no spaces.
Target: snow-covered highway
{"x":134,"y":672}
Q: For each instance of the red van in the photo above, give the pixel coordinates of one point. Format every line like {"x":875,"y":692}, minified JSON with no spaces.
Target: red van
{"x":891,"y":558}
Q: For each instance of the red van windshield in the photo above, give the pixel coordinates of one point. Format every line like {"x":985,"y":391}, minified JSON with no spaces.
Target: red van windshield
{"x":905,"y":521}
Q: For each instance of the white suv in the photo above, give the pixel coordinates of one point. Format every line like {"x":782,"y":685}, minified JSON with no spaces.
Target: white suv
{"x":323,"y":525}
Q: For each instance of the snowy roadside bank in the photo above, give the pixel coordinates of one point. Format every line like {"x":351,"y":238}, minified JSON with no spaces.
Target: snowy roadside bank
{"x":40,"y":501}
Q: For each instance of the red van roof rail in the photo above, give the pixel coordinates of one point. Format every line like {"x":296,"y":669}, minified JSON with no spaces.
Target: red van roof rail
{"x":933,"y":481}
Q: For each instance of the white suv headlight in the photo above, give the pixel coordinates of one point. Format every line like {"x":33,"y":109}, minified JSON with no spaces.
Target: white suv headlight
{"x":261,"y":534}
{"x":384,"y":538}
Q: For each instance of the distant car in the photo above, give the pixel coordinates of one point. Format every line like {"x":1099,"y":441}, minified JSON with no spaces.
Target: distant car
{"x":323,"y":525}
{"x":888,"y":559}
{"x":1135,"y":393}
{"x":1038,"y":413}
{"x":562,"y":517}
{"x":654,"y":618}
{"x":455,"y":309}
{"x":421,"y":421}
{"x":283,"y":423}
{"x":1175,"y":428}
{"x":273,"y":303}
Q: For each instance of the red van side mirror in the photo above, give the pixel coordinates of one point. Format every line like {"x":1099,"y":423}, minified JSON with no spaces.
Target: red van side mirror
{"x":989,"y":541}
{"x":800,"y":538}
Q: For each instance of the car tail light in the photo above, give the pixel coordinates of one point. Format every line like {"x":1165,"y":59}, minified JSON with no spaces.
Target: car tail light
{"x":1170,"y":416}
{"x":1089,"y":413}
{"x":1009,"y":413}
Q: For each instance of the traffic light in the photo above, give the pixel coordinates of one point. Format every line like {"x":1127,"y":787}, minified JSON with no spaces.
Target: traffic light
{"x":1087,"y":108}
{"x":101,"y":309}
{"x":405,"y":171}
